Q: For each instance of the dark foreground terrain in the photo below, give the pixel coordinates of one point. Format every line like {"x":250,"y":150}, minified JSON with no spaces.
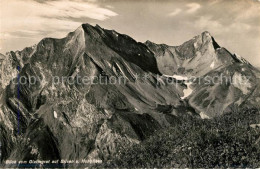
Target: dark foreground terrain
{"x":226,"y":141}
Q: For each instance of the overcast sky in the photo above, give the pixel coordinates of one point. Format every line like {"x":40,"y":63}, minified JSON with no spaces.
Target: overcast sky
{"x":235,"y":24}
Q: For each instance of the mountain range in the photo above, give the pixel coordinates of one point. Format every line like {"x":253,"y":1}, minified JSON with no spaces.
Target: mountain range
{"x":79,"y":120}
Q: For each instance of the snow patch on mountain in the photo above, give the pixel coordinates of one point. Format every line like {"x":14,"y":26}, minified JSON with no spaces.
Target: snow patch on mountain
{"x":212,"y":65}
{"x":55,"y":114}
{"x":203,"y":115}
{"x":186,"y":91}
{"x":178,"y":77}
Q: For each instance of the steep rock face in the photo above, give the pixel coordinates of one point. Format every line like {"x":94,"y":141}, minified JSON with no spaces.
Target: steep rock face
{"x":85,"y":120}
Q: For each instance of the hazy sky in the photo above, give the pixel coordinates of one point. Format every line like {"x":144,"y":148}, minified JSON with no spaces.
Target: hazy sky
{"x":235,"y":24}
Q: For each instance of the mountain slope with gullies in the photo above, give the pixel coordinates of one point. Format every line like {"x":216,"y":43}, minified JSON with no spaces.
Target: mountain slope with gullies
{"x":216,"y":79}
{"x":85,"y":120}
{"x":132,"y":90}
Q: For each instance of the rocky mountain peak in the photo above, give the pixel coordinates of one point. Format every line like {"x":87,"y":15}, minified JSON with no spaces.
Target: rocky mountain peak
{"x":206,"y":35}
{"x":203,"y":44}
{"x":205,"y":38}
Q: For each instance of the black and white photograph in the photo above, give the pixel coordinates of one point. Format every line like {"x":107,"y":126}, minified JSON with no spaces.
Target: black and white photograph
{"x":129,"y":84}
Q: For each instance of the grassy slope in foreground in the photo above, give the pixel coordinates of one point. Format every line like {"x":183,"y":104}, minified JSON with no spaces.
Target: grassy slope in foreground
{"x":225,"y":141}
